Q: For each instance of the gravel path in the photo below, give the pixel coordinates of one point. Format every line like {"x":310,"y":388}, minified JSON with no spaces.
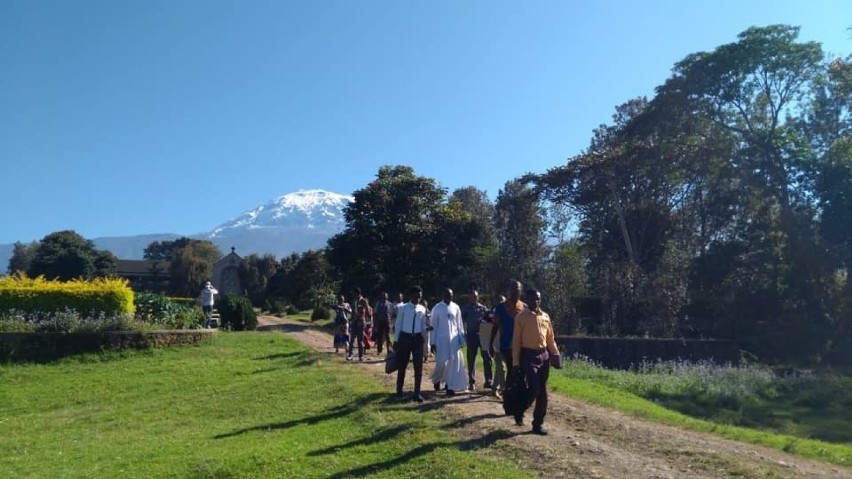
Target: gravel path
{"x":585,"y":441}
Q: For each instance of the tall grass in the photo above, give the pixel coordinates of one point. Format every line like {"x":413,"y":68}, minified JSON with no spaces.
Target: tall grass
{"x":798,"y":406}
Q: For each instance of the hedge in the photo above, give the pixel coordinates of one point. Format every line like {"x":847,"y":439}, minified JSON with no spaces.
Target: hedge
{"x":100,"y":295}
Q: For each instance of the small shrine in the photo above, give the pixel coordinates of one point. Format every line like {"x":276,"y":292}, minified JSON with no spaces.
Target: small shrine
{"x":226,"y":276}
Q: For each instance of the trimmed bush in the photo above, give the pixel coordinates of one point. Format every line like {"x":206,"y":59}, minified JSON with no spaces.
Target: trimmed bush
{"x":155,"y":308}
{"x":291,"y":310}
{"x":100,"y":295}
{"x":320,"y":313}
{"x":237,"y":313}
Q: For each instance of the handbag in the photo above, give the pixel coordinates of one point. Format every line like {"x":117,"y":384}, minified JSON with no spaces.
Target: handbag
{"x":557,"y":360}
{"x":391,"y":364}
{"x":515,"y":397}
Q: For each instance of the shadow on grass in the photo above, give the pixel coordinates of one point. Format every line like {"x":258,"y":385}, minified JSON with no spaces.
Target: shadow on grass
{"x":383,"y":467}
{"x":381,"y":436}
{"x":279,"y":356}
{"x":334,"y":413}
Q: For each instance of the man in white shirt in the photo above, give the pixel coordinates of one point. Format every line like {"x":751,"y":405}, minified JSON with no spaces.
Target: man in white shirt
{"x":447,"y":341}
{"x":408,"y":341}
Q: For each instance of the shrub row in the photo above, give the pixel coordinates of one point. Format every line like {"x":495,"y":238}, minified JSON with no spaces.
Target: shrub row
{"x":43,"y":347}
{"x":100,"y":295}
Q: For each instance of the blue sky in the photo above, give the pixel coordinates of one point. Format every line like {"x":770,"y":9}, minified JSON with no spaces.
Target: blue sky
{"x":132,"y":117}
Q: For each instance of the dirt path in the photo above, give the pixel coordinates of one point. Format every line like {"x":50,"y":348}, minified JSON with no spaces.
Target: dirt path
{"x":587,"y":441}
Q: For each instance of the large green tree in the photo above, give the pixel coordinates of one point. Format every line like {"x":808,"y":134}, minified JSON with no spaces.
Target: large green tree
{"x":191,"y":262}
{"x":401,"y":230}
{"x":66,"y":255}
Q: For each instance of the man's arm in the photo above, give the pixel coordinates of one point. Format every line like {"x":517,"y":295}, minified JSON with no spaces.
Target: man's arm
{"x":550,"y":338}
{"x":516,"y":338}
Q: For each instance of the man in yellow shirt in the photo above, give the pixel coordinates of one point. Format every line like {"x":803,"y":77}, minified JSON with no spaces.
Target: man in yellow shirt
{"x":532,"y":344}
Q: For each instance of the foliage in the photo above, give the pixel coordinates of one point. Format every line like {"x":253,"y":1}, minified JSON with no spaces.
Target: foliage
{"x":62,"y":255}
{"x":792,"y":402}
{"x":304,"y":280}
{"x":237,"y":313}
{"x":520,"y":225}
{"x":157,"y":309}
{"x":400,"y":230}
{"x":320,"y":313}
{"x":110,"y":296}
{"x":64,"y":321}
{"x":22,"y":256}
{"x":255,"y":272}
{"x":275,"y":307}
{"x":190,"y":262}
{"x":718,"y":208}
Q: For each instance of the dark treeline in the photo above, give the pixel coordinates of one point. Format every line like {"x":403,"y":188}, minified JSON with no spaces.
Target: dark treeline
{"x":719,"y":208}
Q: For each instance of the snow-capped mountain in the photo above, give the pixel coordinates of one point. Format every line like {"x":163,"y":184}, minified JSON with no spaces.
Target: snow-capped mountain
{"x":292,"y":223}
{"x":316,"y":210}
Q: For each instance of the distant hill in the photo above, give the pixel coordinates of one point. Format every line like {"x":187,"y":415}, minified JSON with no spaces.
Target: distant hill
{"x":295,"y":222}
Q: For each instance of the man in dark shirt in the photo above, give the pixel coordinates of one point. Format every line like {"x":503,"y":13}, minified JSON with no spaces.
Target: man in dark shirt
{"x":473,"y":315}
{"x":505,"y":323}
{"x":382,"y":322}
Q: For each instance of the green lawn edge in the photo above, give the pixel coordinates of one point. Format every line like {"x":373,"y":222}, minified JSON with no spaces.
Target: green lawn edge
{"x":613,"y":398}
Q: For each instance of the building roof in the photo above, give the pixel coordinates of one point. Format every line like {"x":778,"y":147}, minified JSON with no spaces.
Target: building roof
{"x":142,"y":267}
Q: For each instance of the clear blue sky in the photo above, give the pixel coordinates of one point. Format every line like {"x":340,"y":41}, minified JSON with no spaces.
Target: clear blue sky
{"x":131,"y":117}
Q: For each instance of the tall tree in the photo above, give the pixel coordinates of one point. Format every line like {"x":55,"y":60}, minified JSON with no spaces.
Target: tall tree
{"x":520,"y":227}
{"x":22,"y":256}
{"x":66,"y":255}
{"x":191,"y":266}
{"x":388,"y":226}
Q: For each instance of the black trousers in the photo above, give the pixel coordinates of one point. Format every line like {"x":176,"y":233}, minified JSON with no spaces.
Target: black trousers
{"x":474,"y":344}
{"x":410,"y":347}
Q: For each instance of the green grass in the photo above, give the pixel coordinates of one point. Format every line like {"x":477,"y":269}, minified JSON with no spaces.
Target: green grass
{"x":246,"y":405}
{"x":597,"y":392}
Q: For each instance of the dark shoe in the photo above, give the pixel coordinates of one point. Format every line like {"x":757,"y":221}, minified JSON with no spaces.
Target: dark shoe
{"x":472,"y":387}
{"x":519,"y":419}
{"x":450,"y":393}
{"x":417,"y":397}
{"x":488,"y":385}
{"x":539,"y":430}
{"x":399,"y":395}
{"x":437,"y":386}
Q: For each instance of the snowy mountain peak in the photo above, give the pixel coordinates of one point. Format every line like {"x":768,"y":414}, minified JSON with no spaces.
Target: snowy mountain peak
{"x":311,"y":209}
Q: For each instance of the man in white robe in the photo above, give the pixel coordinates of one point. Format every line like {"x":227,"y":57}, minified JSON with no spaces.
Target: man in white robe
{"x":446,"y":343}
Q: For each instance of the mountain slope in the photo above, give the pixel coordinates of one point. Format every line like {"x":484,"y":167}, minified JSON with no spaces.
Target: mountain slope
{"x":291,"y":223}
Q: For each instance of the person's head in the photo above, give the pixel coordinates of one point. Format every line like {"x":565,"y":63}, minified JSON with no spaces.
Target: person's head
{"x":501,"y":299}
{"x":533,"y":299}
{"x":401,"y":300}
{"x":357,"y":293}
{"x":448,"y":295}
{"x":208,"y":284}
{"x":474,"y":296}
{"x":415,"y":294}
{"x":383,"y":296}
{"x":363,"y":302}
{"x":515,"y":288}
{"x":341,"y":299}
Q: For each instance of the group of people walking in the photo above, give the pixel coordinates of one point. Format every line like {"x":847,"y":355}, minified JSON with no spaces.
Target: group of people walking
{"x":514,"y":338}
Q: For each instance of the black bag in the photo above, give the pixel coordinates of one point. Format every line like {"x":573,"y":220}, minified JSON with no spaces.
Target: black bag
{"x":515,"y":396}
{"x":391,"y":364}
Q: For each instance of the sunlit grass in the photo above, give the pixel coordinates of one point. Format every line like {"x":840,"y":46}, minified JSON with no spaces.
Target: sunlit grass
{"x":247,"y":405}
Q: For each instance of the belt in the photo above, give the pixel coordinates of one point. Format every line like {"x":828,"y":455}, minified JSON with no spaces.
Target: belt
{"x":534,"y":350}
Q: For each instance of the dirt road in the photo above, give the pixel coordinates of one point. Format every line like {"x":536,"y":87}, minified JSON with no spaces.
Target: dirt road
{"x":587,"y":441}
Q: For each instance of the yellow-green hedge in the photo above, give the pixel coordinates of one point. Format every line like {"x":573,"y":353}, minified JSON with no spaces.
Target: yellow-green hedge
{"x":21,"y":293}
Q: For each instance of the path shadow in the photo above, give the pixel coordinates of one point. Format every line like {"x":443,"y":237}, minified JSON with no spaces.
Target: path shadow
{"x":287,"y":327}
{"x":333,"y":413}
{"x":383,"y":467}
{"x":279,"y":356}
{"x":380,"y":436}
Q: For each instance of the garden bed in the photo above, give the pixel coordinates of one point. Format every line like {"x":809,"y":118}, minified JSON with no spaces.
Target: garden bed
{"x":43,"y":347}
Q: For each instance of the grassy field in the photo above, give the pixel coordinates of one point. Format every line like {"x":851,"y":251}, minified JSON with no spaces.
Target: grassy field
{"x":248,"y":405}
